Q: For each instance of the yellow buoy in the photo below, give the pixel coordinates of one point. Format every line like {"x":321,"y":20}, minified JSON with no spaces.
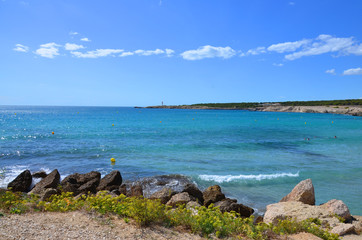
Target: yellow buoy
{"x":113,"y":160}
{"x":193,"y":119}
{"x":332,"y":121}
{"x":160,"y":121}
{"x":278,"y":119}
{"x":112,"y":125}
{"x":15,"y":113}
{"x":305,"y":122}
{"x":53,"y":133}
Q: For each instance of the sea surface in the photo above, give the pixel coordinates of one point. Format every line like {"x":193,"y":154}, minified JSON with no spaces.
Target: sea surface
{"x":256,"y":157}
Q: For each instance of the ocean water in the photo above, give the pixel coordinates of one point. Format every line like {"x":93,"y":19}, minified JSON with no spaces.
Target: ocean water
{"x":256,"y":157}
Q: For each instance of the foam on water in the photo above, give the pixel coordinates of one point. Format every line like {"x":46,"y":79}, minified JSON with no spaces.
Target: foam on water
{"x":9,"y":173}
{"x":259,"y":177}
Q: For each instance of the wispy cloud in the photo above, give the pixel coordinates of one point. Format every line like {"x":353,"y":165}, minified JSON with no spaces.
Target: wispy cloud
{"x":208,"y":52}
{"x":278,"y":64}
{"x":72,"y":46}
{"x":353,"y":71}
{"x":331,"y":71}
{"x":169,"y":52}
{"x":85,"y":39}
{"x":255,"y":51}
{"x":73,"y":33}
{"x":48,"y":50}
{"x":21,"y":48}
{"x":287,"y":46}
{"x":149,"y":52}
{"x":126,"y":54}
{"x":97,"y":53}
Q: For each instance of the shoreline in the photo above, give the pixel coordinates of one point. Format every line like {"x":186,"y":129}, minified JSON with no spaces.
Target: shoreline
{"x":347,"y":110}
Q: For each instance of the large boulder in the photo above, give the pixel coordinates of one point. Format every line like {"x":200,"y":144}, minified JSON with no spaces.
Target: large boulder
{"x":50,"y":181}
{"x":195,"y":192}
{"x":180,"y":198}
{"x":339,"y":208}
{"x":22,"y":182}
{"x":164,"y":195}
{"x":111,"y":181}
{"x":81,"y":183}
{"x":213,"y":194}
{"x":302,"y":192}
{"x":135,"y":191}
{"x":300,"y":211}
{"x":228,"y":205}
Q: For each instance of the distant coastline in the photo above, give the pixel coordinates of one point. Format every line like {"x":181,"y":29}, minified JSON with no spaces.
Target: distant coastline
{"x":349,"y":107}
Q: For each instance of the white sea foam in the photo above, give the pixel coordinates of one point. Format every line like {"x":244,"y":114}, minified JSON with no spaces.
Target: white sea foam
{"x":229,"y":178}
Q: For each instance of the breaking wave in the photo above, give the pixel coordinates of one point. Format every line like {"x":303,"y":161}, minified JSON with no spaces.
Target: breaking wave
{"x":229,"y":178}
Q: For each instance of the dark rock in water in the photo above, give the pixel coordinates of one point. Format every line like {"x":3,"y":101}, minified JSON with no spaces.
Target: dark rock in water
{"x":164,"y":195}
{"x":51,"y":181}
{"x":195,"y":192}
{"x":40,"y":174}
{"x":213,"y":194}
{"x":123,"y":189}
{"x":136,"y":191}
{"x":180,"y":198}
{"x":81,"y":183}
{"x":111,"y":181}
{"x":228,"y":205}
{"x":22,"y":182}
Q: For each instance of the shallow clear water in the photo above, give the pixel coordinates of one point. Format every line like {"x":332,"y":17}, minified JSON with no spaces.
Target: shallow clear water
{"x":256,"y":157}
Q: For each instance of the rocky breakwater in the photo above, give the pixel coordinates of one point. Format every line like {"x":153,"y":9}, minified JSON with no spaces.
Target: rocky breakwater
{"x":171,"y":190}
{"x":299,"y":205}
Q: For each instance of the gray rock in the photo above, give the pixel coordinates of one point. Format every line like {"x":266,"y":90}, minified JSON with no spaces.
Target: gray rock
{"x":50,"y":181}
{"x":213,"y":194}
{"x":111,"y":181}
{"x":22,"y":182}
{"x":338,"y":207}
{"x":81,"y":183}
{"x":136,"y":191}
{"x":40,"y":174}
{"x":180,"y":198}
{"x":47,"y":193}
{"x":302,"y":192}
{"x":343,"y":229}
{"x":164,"y":195}
{"x":123,"y":189}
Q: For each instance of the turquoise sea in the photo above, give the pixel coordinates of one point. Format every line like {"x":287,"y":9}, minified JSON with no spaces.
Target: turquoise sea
{"x":256,"y":157}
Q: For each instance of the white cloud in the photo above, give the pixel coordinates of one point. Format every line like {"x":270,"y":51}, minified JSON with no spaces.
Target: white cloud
{"x":208,"y":52}
{"x":21,"y":48}
{"x":125,"y":54}
{"x":149,"y":52}
{"x":169,"y":52}
{"x":331,"y":71}
{"x":73,"y":33}
{"x":97,"y":53}
{"x":353,"y":71}
{"x":255,"y":51}
{"x":287,"y":46}
{"x":278,"y":64}
{"x":85,"y":39}
{"x":355,"y":49}
{"x":324,"y":44}
{"x":72,"y":46}
{"x":48,"y":50}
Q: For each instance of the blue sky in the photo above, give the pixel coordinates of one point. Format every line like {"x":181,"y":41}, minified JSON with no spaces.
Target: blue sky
{"x":142,"y":52}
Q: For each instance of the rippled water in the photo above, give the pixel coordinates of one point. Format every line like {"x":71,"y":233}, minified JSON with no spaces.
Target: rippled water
{"x":256,"y":157}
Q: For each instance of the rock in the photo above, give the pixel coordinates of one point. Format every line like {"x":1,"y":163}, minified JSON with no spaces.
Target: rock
{"x":47,"y":193}
{"x":228,"y":205}
{"x":213,"y":194}
{"x":302,"y":192}
{"x":343,"y":229}
{"x":164,"y":195}
{"x":195,"y":192}
{"x":50,"y":181}
{"x":136,"y":191}
{"x":81,"y":183}
{"x":258,"y":219}
{"x":192,"y":204}
{"x":338,"y":207}
{"x":180,"y":198}
{"x":22,"y":182}
{"x":111,"y":181}
{"x":123,"y":189}
{"x":40,"y":174}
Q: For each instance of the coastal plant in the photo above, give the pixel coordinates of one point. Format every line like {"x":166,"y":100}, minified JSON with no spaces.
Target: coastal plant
{"x":12,"y":202}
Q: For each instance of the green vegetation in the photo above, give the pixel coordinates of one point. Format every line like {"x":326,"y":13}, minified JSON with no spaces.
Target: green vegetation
{"x":289,"y":103}
{"x":201,"y":220}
